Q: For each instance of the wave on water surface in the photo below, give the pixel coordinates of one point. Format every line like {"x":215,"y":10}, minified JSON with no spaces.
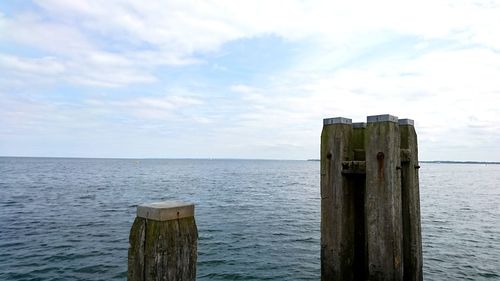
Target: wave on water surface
{"x":69,"y":219}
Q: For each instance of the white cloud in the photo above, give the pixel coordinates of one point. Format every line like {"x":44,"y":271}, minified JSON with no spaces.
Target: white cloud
{"x":452,"y":94}
{"x":51,"y":35}
{"x":434,"y":61}
{"x":128,"y":38}
{"x":183,"y":28}
{"x":98,"y":69}
{"x":162,"y":108}
{"x":37,"y":66}
{"x":240,"y":88}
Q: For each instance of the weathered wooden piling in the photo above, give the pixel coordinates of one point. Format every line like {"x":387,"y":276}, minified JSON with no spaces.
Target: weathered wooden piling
{"x":383,"y":199}
{"x":163,"y":242}
{"x":412,"y":233}
{"x":337,"y":247}
{"x":370,"y":210}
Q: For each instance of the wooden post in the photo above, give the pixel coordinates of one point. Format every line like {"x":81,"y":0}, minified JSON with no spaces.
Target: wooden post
{"x":383,"y":199}
{"x":370,"y":208}
{"x":163,"y":242}
{"x":412,"y":234}
{"x":337,"y":208}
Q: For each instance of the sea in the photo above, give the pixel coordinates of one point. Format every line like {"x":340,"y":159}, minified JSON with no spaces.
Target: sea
{"x":69,"y":219}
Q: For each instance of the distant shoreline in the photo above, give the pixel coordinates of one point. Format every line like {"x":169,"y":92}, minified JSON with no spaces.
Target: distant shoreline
{"x":460,"y":162}
{"x":447,"y":162}
{"x":311,"y":160}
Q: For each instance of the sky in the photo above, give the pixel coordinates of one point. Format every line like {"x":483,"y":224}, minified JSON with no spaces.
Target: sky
{"x":244,"y":79}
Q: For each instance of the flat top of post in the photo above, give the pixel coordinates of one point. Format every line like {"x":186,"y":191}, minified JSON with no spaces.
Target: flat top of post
{"x":406,"y":121}
{"x":337,"y":120}
{"x":382,"y":118}
{"x":166,"y":210}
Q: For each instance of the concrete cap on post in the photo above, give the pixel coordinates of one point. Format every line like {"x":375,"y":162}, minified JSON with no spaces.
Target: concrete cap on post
{"x":382,"y":118}
{"x":164,"y":211}
{"x":406,"y":122}
{"x":337,"y":120}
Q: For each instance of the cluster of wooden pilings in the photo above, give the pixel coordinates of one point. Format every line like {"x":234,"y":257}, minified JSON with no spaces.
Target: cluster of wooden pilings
{"x":370,"y":210}
{"x":370,"y":206}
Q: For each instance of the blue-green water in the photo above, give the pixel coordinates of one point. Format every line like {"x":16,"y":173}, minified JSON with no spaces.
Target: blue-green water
{"x":69,"y":219}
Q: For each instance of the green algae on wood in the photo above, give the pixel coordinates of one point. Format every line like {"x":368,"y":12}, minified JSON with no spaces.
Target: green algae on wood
{"x":370,"y":210}
{"x":337,"y":208}
{"x":412,"y":233}
{"x":163,"y":249}
{"x":384,"y":236}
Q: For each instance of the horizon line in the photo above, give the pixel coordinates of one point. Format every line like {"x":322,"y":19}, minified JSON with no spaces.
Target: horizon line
{"x":235,"y":158}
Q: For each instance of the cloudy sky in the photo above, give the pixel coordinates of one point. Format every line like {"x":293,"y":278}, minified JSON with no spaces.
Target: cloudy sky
{"x":244,"y":79}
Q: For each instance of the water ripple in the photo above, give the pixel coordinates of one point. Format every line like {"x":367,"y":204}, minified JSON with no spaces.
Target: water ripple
{"x":69,"y":219}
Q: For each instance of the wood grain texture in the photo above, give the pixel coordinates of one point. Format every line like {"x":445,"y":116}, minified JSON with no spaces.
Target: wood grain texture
{"x":370,"y":205}
{"x":163,"y":250}
{"x":383,"y":202}
{"x":337,"y":205}
{"x":412,"y":233}
{"x":136,"y":250}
